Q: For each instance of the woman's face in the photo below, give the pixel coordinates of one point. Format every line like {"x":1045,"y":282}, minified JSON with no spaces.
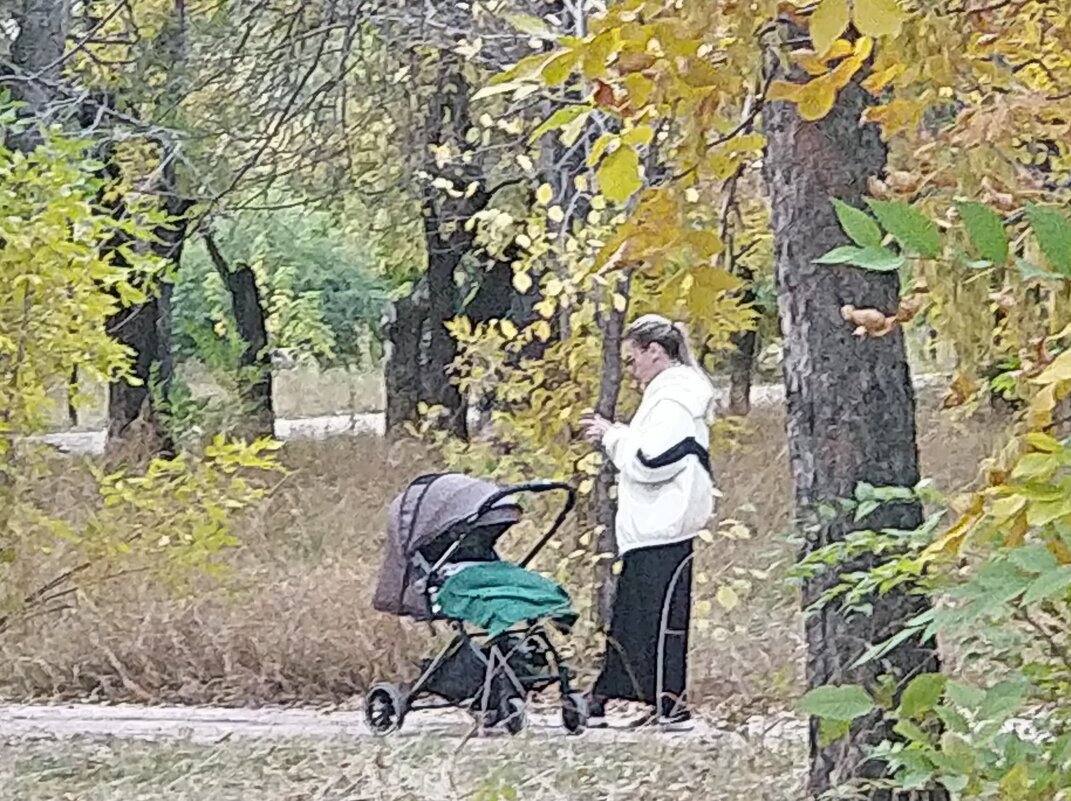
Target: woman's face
{"x":645,"y":363}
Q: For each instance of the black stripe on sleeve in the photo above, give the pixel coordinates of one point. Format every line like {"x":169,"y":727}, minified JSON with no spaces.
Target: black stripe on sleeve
{"x":686,"y":447}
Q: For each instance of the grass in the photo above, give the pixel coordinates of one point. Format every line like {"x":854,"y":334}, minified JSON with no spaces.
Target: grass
{"x":292,"y":622}
{"x":533,"y":767}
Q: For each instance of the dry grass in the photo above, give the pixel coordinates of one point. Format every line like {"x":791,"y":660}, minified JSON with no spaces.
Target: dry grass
{"x":293,"y":622}
{"x":531,"y":767}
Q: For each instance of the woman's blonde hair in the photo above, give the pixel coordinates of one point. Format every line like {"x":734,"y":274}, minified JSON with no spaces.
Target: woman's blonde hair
{"x":672,"y":336}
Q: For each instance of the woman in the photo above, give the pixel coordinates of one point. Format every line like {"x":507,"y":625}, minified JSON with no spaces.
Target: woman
{"x":664,"y":498}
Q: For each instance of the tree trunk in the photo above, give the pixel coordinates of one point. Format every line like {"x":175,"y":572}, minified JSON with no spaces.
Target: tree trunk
{"x":742,"y":360}
{"x":254,"y":364}
{"x":420,"y":321}
{"x":612,"y":323}
{"x":402,"y":369}
{"x":37,"y":55}
{"x":851,"y":406}
{"x":146,"y":330}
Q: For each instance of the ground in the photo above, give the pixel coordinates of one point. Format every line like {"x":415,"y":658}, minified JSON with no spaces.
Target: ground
{"x":241,"y":763}
{"x":290,"y":625}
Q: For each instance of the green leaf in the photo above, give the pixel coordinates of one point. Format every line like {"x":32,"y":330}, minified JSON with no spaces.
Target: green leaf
{"x":954,"y":784}
{"x":857,"y":224}
{"x":1034,"y":558}
{"x":922,"y":694}
{"x":963,"y":695}
{"x":986,"y":230}
{"x":619,"y":175}
{"x":1053,"y":232}
{"x":914,"y":231}
{"x":1002,"y":700}
{"x":1028,"y":270}
{"x":841,"y":255}
{"x":882,"y":648}
{"x":953,"y":719}
{"x":829,"y":731}
{"x":910,"y":731}
{"x":956,"y":755}
{"x":1049,"y":584}
{"x":877,"y":259}
{"x":845,"y":703}
{"x":559,"y":119}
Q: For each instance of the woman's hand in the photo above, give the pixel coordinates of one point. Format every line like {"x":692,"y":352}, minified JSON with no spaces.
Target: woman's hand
{"x":593,"y":427}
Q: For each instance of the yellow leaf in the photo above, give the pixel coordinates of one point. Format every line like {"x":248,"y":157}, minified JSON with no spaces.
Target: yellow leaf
{"x":544,"y":194}
{"x":522,"y":282}
{"x":705,"y":243}
{"x":1059,"y":370}
{"x":828,"y":22}
{"x":559,"y":67}
{"x":509,"y":330}
{"x":728,"y":598}
{"x":620,"y":302}
{"x":1006,"y":507}
{"x":878,"y":17}
{"x":1060,"y":551}
{"x":598,"y":52}
{"x":877,"y":82}
{"x":641,"y":135}
{"x":619,"y":174}
{"x":895,"y":116}
{"x":1016,"y":535}
{"x":817,"y":98}
{"x":1041,"y":407}
{"x":639,"y":88}
{"x":784,"y":90}
{"x":542,"y":330}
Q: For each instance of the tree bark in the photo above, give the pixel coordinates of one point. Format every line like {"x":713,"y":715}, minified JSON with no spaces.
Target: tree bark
{"x":420,"y":321}
{"x":612,"y":323}
{"x":742,"y":360}
{"x":402,"y":370}
{"x":254,"y":363}
{"x":37,"y":54}
{"x":851,"y":405}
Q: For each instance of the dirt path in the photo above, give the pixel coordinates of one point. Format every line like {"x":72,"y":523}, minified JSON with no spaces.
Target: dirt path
{"x":214,"y":723}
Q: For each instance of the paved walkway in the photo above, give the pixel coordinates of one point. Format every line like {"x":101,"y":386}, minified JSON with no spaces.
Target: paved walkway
{"x":212,"y":723}
{"x":90,"y":442}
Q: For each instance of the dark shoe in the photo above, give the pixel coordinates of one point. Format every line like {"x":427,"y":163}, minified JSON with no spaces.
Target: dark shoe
{"x":596,"y":712}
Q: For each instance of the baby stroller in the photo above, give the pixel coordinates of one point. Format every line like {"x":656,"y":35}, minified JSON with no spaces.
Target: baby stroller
{"x":441,"y":565}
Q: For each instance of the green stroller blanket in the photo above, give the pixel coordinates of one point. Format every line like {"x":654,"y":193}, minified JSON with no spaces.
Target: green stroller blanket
{"x":498,"y":595}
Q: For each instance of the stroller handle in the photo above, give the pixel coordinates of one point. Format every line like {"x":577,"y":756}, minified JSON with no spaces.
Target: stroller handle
{"x":538,"y":486}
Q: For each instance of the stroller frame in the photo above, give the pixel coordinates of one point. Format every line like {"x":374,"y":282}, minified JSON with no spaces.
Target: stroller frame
{"x":504,"y":691}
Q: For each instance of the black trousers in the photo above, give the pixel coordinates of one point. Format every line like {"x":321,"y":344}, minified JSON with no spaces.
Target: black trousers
{"x":630,"y":667}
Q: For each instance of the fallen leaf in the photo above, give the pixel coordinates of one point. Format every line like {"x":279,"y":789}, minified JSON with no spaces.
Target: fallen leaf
{"x":868,"y":322}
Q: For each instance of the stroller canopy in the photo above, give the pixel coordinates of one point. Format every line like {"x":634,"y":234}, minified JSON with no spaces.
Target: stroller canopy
{"x":429,"y":508}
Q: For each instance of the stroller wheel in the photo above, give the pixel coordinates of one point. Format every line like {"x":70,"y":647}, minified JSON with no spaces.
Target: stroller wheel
{"x":574,"y":712}
{"x":513,"y":714}
{"x":384,"y":708}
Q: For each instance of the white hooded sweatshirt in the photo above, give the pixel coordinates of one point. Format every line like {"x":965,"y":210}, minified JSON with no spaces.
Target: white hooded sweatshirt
{"x":664,"y":493}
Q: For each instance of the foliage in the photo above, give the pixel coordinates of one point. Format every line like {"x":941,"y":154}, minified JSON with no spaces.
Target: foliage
{"x":321,"y":295}
{"x":1000,"y":571}
{"x":60,"y":286}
